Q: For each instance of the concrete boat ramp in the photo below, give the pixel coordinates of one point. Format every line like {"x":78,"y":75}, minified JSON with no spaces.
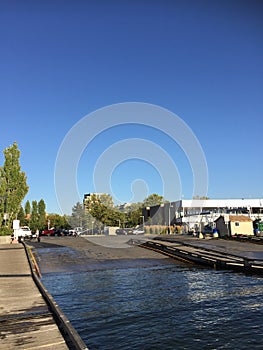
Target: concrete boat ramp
{"x":241,"y":256}
{"x":27,"y":319}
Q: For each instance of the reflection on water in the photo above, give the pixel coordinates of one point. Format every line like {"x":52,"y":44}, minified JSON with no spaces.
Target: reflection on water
{"x":168,"y":306}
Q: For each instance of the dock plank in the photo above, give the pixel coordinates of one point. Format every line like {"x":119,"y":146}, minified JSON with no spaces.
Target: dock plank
{"x":217,"y":255}
{"x":25,"y":319}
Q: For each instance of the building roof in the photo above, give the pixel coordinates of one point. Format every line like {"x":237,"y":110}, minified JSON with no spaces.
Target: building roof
{"x":233,"y":218}
{"x":221,"y":203}
{"x":240,"y":218}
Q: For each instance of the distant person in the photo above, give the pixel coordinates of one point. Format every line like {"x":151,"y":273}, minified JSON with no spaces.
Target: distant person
{"x":37,"y":235}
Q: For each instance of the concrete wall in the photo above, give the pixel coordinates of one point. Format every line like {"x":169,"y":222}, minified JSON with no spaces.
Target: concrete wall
{"x":5,"y":239}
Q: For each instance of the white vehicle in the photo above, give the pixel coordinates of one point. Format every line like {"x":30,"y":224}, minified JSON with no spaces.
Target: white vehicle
{"x":25,"y":232}
{"x":138,"y":231}
{"x":78,"y":230}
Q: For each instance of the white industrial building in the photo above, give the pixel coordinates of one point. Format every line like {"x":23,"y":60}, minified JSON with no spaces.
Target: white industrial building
{"x":195,"y":214}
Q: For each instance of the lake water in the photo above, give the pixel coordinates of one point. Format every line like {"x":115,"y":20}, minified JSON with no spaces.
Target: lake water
{"x":164,"y":306}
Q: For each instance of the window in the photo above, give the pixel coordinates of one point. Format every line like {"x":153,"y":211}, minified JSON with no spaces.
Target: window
{"x":237,"y":223}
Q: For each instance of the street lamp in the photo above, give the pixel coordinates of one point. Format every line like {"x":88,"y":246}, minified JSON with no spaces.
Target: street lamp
{"x":169,"y":218}
{"x":92,"y":222}
{"x":142,"y":216}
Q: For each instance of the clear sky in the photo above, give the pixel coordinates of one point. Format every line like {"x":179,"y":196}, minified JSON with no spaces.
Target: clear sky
{"x":200,"y":59}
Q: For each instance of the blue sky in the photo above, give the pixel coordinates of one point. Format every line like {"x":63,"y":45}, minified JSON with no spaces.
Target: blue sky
{"x":200,"y":59}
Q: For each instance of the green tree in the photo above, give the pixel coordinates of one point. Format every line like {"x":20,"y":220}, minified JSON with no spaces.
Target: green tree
{"x":21,"y":216}
{"x":34,"y":216}
{"x":27,"y":212}
{"x":41,"y":207}
{"x":13,"y":184}
{"x":106,"y":200}
{"x":2,"y":197}
{"x":200,"y":197}
{"x":152,"y":200}
{"x":100,"y":211}
{"x":57,"y":221}
{"x":27,"y":208}
{"x":78,"y":217}
{"x":134,"y":214}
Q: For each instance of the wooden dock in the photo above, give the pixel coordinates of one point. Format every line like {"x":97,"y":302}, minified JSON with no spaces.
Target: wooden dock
{"x":211,"y":256}
{"x":27,"y":321}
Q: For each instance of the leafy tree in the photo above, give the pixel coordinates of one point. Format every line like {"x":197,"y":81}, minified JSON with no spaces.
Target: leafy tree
{"x":99,"y":211}
{"x":41,"y":207}
{"x":34,"y":216}
{"x":2,"y":197}
{"x":113,"y":217}
{"x":21,"y":216}
{"x":134,"y":213}
{"x":152,"y":200}
{"x":58,"y":221}
{"x":13,"y":184}
{"x":106,"y":200}
{"x":27,"y":208}
{"x":78,"y":217}
{"x":201,"y":197}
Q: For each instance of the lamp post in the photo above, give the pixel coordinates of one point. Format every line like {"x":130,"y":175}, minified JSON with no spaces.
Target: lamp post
{"x":227,"y":225}
{"x":169,"y":217}
{"x":92,"y":222}
{"x":142,"y":216}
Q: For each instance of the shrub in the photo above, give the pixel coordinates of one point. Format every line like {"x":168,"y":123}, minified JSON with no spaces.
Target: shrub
{"x":5,"y":231}
{"x":147,"y":229}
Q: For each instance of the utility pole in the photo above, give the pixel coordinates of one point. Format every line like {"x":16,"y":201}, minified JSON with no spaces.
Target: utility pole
{"x":142,"y":216}
{"x":169,"y":217}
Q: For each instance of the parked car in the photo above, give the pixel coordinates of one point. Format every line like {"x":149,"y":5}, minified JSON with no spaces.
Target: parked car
{"x":129,"y":231}
{"x":72,"y":233}
{"x":50,"y":232}
{"x":138,"y":231}
{"x":121,"y":231}
{"x":25,"y":232}
{"x":78,"y":230}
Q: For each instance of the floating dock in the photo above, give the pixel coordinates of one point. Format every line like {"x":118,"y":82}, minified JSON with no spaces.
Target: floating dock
{"x":29,"y":317}
{"x":197,"y":252}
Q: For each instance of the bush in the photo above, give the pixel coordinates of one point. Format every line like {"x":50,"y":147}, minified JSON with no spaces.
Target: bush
{"x":5,"y":231}
{"x":147,"y":229}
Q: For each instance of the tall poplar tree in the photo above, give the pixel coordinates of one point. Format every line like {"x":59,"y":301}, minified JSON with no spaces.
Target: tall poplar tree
{"x":34,"y":216}
{"x":41,"y":214}
{"x":27,"y":208}
{"x":21,"y":216}
{"x":13,"y":185}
